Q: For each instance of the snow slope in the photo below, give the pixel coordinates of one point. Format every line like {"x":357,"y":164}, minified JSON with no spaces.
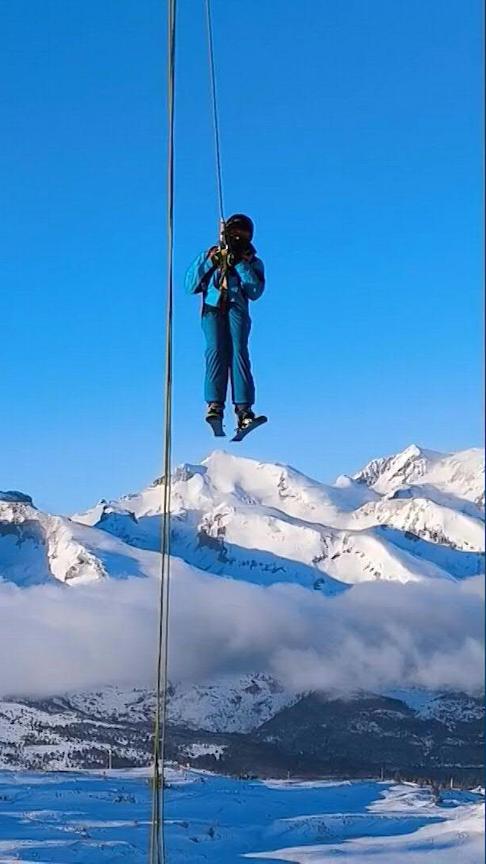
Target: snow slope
{"x":37,"y":548}
{"x":403,"y":826}
{"x":230,"y":704}
{"x":456,"y":475}
{"x":89,"y":819}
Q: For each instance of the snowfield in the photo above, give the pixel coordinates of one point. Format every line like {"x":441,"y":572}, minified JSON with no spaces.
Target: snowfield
{"x":95,"y":819}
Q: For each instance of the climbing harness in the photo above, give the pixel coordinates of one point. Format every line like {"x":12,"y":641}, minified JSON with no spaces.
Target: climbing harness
{"x":157,"y":847}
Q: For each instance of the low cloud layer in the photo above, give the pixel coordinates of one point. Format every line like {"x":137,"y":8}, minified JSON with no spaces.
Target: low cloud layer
{"x":373,"y":637}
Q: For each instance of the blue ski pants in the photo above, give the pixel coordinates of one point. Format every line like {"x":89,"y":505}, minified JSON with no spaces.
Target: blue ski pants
{"x":227,"y":355}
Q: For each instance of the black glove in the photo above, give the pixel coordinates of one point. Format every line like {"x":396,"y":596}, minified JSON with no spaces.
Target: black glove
{"x":239,"y":246}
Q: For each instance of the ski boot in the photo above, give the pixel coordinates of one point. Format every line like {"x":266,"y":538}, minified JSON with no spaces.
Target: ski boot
{"x":214,"y":416}
{"x":247,"y":421}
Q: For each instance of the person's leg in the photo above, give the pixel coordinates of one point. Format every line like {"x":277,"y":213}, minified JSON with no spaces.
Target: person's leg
{"x":217,"y":360}
{"x":242,"y":384}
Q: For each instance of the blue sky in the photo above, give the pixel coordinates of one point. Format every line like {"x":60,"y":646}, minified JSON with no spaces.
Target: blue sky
{"x":351,"y":132}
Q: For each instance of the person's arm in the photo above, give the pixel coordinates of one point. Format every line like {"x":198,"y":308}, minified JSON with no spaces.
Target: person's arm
{"x":252,"y":277}
{"x":196,"y":276}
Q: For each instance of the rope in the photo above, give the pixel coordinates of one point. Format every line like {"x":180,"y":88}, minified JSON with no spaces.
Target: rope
{"x":214,"y":102}
{"x":157,"y":847}
{"x":157,"y":852}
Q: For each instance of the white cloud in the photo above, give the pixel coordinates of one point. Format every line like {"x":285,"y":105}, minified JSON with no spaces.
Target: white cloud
{"x":377,"y":635}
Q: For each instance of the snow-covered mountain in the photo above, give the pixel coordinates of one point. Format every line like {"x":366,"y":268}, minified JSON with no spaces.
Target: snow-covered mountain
{"x":37,"y":548}
{"x":250,"y":726}
{"x":412,"y":516}
{"x":270,"y":523}
{"x":454,"y":478}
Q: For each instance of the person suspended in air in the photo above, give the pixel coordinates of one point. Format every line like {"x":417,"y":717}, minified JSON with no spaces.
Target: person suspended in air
{"x":228,"y":276}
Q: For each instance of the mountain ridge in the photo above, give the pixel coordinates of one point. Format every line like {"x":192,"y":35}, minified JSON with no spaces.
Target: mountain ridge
{"x":267,"y":522}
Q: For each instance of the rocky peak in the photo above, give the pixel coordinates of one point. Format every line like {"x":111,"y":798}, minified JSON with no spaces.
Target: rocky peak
{"x":14,"y":497}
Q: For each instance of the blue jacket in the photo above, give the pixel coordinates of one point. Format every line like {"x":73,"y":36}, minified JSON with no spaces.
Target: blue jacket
{"x":246,"y":281}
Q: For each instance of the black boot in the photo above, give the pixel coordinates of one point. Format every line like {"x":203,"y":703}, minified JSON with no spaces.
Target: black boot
{"x":244,"y":415}
{"x":214,"y":416}
{"x":215,"y":411}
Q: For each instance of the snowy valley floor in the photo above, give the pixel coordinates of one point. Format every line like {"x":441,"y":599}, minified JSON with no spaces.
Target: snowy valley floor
{"x":87,"y":818}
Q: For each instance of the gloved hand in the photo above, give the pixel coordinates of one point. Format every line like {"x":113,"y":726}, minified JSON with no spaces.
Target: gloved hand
{"x":241,"y":247}
{"x":222,"y":257}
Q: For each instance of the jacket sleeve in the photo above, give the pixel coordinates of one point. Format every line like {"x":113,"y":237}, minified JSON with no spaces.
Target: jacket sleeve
{"x":200,"y":267}
{"x":252,"y":278}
